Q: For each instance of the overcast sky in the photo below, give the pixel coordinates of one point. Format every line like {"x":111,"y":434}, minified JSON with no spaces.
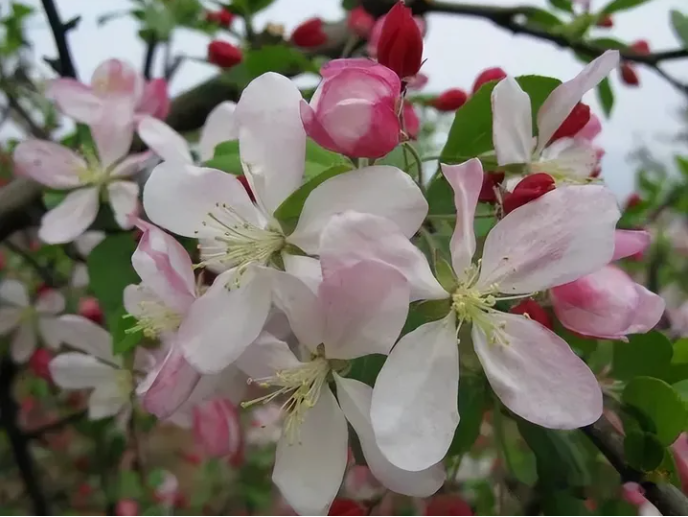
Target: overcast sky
{"x":456,"y":49}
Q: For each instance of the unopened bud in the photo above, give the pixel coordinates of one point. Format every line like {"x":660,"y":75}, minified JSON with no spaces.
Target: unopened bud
{"x":309,"y":34}
{"x":529,"y":188}
{"x":606,"y":21}
{"x":534,"y":311}
{"x":641,"y":47}
{"x":633,"y":201}
{"x":244,"y":181}
{"x":488,"y":75}
{"x":577,"y":119}
{"x":360,"y":22}
{"x":342,"y":506}
{"x":447,"y":504}
{"x":90,"y":309}
{"x":401,"y":42}
{"x":491,"y":181}
{"x":127,"y":507}
{"x":450,"y":100}
{"x":39,"y":364}
{"x":223,"y":54}
{"x":628,"y":74}
{"x":222,"y":17}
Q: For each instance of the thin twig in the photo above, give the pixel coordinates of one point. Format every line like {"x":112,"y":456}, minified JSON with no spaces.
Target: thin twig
{"x":149,"y":58}
{"x":59,"y":32}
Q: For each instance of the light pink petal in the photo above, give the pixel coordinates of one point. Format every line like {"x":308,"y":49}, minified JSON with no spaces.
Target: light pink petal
{"x":334,"y":67}
{"x":124,"y":200}
{"x":351,"y":237}
{"x":117,"y":79}
{"x":163,"y":140}
{"x":590,"y":130}
{"x":14,"y":292}
{"x":49,"y":330}
{"x":512,"y":123}
{"x":564,"y":98}
{"x":108,"y":399}
{"x":89,"y":240}
{"x":574,"y":158}
{"x":23,"y":342}
{"x":50,"y":302}
{"x":76,"y":371}
{"x":131,"y":165}
{"x":223,"y":322}
{"x":71,"y":218}
{"x":307,"y":269}
{"x":49,"y":164}
{"x":219,"y":127}
{"x":272,"y":140}
{"x":10,"y":317}
{"x":365,"y":308}
{"x":315,"y":129}
{"x":136,"y":297}
{"x":630,"y":242}
{"x":379,"y":190}
{"x":265,"y":356}
{"x":553,"y":240}
{"x":466,"y":180}
{"x":414,"y":410}
{"x":217,"y":428}
{"x":82,"y":334}
{"x":155,"y":100}
{"x":180,"y":197}
{"x":536,"y":375}
{"x":355,"y":398}
{"x":649,"y":311}
{"x":75,"y":99}
{"x":113,"y":132}
{"x":309,"y":470}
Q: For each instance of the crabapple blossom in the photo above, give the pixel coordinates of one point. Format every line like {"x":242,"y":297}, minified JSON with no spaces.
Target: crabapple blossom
{"x":217,"y":430}
{"x":84,"y":244}
{"x":243,"y":240}
{"x":309,"y":34}
{"x":555,"y":239}
{"x":400,"y":47}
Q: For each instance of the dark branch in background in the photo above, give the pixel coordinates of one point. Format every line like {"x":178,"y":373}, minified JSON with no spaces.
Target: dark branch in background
{"x":55,"y":426}
{"x":59,"y":33}
{"x":668,"y":499}
{"x":151,"y":47}
{"x":47,"y":274}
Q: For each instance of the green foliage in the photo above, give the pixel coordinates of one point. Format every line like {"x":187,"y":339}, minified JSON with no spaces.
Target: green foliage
{"x":12,"y":28}
{"x":645,"y":354}
{"x":679,"y":22}
{"x":473,"y":401}
{"x":621,"y":5}
{"x":249,"y":7}
{"x":542,"y":18}
{"x":564,"y":5}
{"x":605,"y":96}
{"x":277,"y":58}
{"x":366,"y":368}
{"x":318,"y":160}
{"x":226,"y":158}
{"x":643,"y":450}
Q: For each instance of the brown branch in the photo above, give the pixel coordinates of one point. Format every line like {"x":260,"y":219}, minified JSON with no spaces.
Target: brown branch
{"x":59,"y":30}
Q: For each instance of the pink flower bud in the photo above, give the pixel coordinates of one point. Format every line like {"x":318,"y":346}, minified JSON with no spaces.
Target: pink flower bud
{"x":222,"y":17}
{"x":633,"y":201}
{"x":490,"y":181}
{"x":534,"y":311}
{"x":341,"y":506}
{"x":90,"y":308}
{"x":640,"y":47}
{"x":353,"y":111}
{"x":488,"y":75}
{"x":127,"y":507}
{"x":155,"y":100}
{"x":628,"y":74}
{"x":217,"y":429}
{"x":576,"y":121}
{"x":39,"y":364}
{"x":447,"y":504}
{"x":223,"y":54}
{"x":529,"y":188}
{"x":360,"y":22}
{"x":401,"y":43}
{"x":309,"y":34}
{"x":244,"y":181}
{"x":450,"y":100}
{"x":606,"y":21}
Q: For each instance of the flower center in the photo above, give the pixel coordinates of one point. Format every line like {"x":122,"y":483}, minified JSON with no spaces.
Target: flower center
{"x":238,"y":242}
{"x":93,"y":173}
{"x":124,"y":382}
{"x":155,"y":318}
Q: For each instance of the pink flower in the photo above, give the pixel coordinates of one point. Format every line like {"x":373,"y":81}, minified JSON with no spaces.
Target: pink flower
{"x":608,"y":304}
{"x":114,"y":81}
{"x":217,"y":430}
{"x":353,"y":111}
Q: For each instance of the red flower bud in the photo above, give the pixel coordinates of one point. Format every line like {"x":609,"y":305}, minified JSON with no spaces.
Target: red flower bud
{"x":490,"y":181}
{"x":90,"y":308}
{"x":223,"y":54}
{"x":401,"y":43}
{"x":447,"y":504}
{"x":127,"y":507}
{"x":577,"y":119}
{"x":451,"y":100}
{"x":534,"y":311}
{"x":360,"y":22}
{"x":309,"y":34}
{"x":606,"y":21}
{"x":222,"y":17}
{"x":487,"y":75}
{"x":633,"y":201}
{"x":341,"y":506}
{"x":39,"y":364}
{"x":529,"y":188}
{"x":641,"y":47}
{"x":42,"y":289}
{"x":628,"y":74}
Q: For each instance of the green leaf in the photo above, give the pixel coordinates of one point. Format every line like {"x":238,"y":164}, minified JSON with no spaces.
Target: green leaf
{"x":563,"y":502}
{"x":425,"y":312}
{"x":277,"y":58}
{"x":608,"y":43}
{"x":644,"y":354}
{"x":679,"y":22}
{"x":660,"y":404}
{"x":473,"y":398}
{"x":123,"y":340}
{"x":605,"y":96}
{"x":52,"y":198}
{"x":445,"y":274}
{"x":226,"y":158}
{"x":289,"y":211}
{"x":366,"y":368}
{"x":621,"y":5}
{"x":682,"y":164}
{"x":319,"y":159}
{"x":681,"y":388}
{"x":348,"y":5}
{"x":642,"y":450}
{"x":249,"y":7}
{"x":536,"y":16}
{"x":564,"y":5}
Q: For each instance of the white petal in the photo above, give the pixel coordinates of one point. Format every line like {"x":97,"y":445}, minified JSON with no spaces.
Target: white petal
{"x":307,"y":269}
{"x":50,"y":302}
{"x":553,"y":240}
{"x":365,"y":308}
{"x":131,"y":165}
{"x":223,"y":322}
{"x":574,"y":158}
{"x":165,"y":141}
{"x":379,"y":190}
{"x":75,"y":371}
{"x":179,"y":197}
{"x":89,"y":240}
{"x":48,"y":163}
{"x":466,"y":180}
{"x":414,"y":408}
{"x":23,"y":342}
{"x":71,"y":218}
{"x":272,"y":141}
{"x":9,"y":319}
{"x":83,"y":334}
{"x":124,"y":200}
{"x":265,"y":356}
{"x":512,"y":123}
{"x":75,"y":99}
{"x":352,"y":236}
{"x":113,"y":132}
{"x":309,"y":471}
{"x":49,"y":329}
{"x":354,"y":398}
{"x":537,"y":376}
{"x":107,"y":399}
{"x":564,"y":98}
{"x":219,"y":127}
{"x":14,"y":292}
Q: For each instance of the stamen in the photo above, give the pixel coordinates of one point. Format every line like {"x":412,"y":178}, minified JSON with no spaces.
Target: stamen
{"x":154,"y":319}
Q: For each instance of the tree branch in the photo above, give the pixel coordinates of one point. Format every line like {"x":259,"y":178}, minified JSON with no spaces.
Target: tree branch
{"x":151,"y":47}
{"x":55,"y":426}
{"x":59,"y":34}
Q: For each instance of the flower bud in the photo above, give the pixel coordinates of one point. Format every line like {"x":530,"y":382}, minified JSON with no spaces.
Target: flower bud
{"x":628,"y":75}
{"x":401,"y":42}
{"x":155,"y":99}
{"x":360,"y":22}
{"x":534,"y":311}
{"x":491,"y":180}
{"x":217,"y":429}
{"x":633,"y":201}
{"x":606,"y":21}
{"x":90,"y":309}
{"x":529,"y":188}
{"x":488,"y":75}
{"x":223,"y":54}
{"x":39,"y":364}
{"x":450,"y":100}
{"x":342,"y":506}
{"x":309,"y":34}
{"x":371,"y":104}
{"x":447,"y":504}
{"x":222,"y":17}
{"x":3,"y":261}
{"x":577,"y":120}
{"x":641,"y":47}
{"x":127,"y":507}
{"x":411,"y":121}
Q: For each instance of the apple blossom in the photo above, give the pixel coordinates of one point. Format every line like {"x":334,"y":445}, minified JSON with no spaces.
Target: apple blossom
{"x":449,"y":100}
{"x":360,"y":21}
{"x":309,"y":34}
{"x":566,"y":159}
{"x":376,"y":33}
{"x":265,"y":425}
{"x":488,"y":75}
{"x":354,"y":109}
{"x":243,"y":239}
{"x":217,"y":429}
{"x":358,"y":310}
{"x":224,"y":54}
{"x":555,"y":239}
{"x":400,"y":47}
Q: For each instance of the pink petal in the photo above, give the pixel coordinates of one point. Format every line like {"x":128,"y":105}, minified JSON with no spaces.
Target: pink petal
{"x":512,"y":126}
{"x":113,"y":132}
{"x":315,"y":129}
{"x":334,"y":67}
{"x":50,"y":301}
{"x":466,"y":180}
{"x":576,"y":159}
{"x":591,"y":130}
{"x":536,"y":375}
{"x":165,"y":141}
{"x":565,"y":96}
{"x":630,"y":242}
{"x":155,"y":100}
{"x":124,"y":200}
{"x":74,"y":99}
{"x":49,"y":164}
{"x":131,"y":165}
{"x":650,"y":310}
{"x":217,"y":428}
{"x":71,"y":218}
{"x":117,"y":79}
{"x":266,"y":356}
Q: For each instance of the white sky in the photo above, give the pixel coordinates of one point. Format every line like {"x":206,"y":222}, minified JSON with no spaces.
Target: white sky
{"x":456,"y":49}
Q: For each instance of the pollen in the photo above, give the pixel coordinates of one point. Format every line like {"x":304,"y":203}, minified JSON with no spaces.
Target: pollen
{"x":154,"y":318}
